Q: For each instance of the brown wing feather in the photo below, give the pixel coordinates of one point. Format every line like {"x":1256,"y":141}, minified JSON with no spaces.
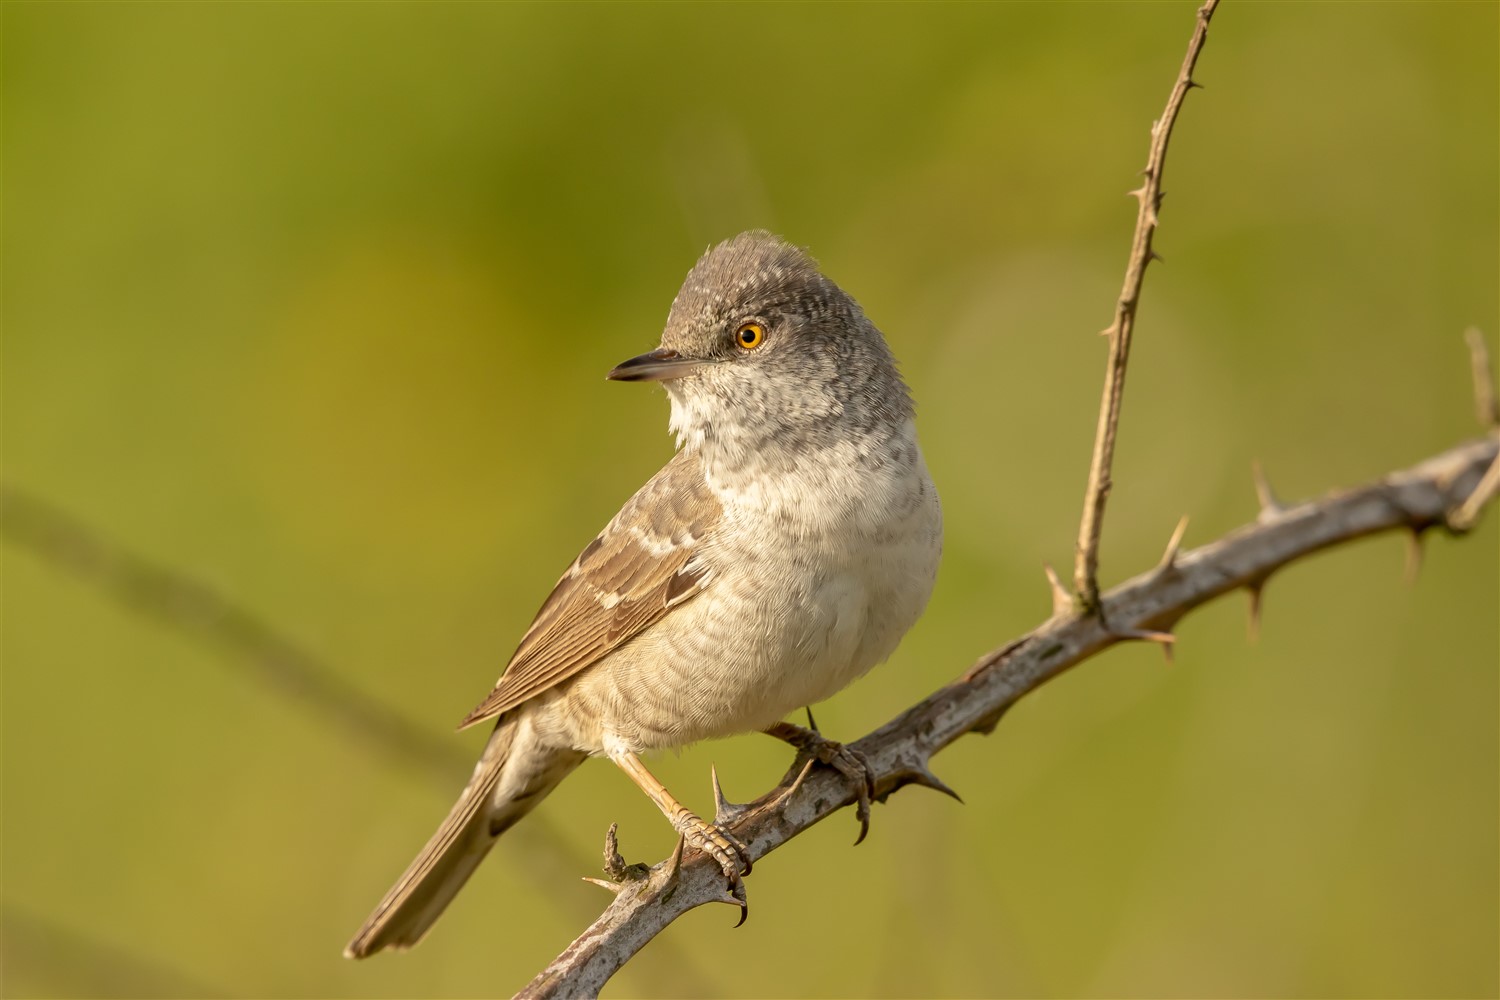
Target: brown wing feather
{"x":637,"y":569}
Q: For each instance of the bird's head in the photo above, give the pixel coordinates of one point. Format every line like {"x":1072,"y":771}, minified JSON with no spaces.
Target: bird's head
{"x":761,"y":346}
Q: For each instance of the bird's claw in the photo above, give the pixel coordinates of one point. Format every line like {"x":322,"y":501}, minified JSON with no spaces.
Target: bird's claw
{"x":736,"y":897}
{"x":851,"y":763}
{"x":854,"y":766}
{"x":725,"y":848}
{"x":717,"y":843}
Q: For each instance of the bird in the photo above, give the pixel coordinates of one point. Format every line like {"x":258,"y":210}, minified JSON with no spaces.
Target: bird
{"x":783,"y":551}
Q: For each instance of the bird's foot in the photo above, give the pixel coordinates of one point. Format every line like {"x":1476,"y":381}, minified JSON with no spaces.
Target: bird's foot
{"x":852,"y":764}
{"x":715,"y":841}
{"x":725,"y":848}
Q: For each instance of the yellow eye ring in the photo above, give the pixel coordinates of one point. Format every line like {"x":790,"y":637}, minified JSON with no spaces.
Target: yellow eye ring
{"x":750,"y":336}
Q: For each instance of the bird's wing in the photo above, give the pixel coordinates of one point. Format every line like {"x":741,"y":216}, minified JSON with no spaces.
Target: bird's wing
{"x":639,"y":567}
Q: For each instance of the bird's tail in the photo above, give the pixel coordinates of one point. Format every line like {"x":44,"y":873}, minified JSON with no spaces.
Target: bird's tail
{"x":513,"y":775}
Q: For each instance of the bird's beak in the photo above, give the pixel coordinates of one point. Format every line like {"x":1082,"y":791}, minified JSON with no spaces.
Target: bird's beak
{"x":660,"y":365}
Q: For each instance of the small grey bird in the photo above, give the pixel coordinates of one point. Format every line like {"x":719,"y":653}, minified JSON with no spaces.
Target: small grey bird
{"x":785,"y":549}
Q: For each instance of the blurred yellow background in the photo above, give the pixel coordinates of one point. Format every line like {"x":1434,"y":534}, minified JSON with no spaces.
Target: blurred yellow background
{"x":314,"y":303}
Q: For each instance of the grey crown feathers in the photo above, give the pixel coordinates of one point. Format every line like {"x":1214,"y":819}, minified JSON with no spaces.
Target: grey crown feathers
{"x":823,"y":362}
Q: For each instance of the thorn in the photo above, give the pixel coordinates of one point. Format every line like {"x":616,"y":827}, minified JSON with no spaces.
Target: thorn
{"x":1153,"y":255}
{"x":725,"y":812}
{"x":1169,"y":558}
{"x":1467,"y":514}
{"x":1139,"y":194}
{"x":921,"y":774}
{"x":1108,"y":331}
{"x":1413,"y":556}
{"x":1194,"y":84}
{"x":1254,"y":590}
{"x":1144,"y":635}
{"x":720,"y":802}
{"x":1270,"y":506}
{"x":613,"y":887}
{"x":1062,"y":597}
{"x":986,"y":725}
{"x":674,"y":866}
{"x":1486,"y":404}
{"x":791,"y":789}
{"x":812,"y":724}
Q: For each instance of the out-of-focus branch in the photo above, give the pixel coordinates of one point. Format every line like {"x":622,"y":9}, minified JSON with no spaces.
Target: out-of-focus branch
{"x":194,"y":608}
{"x":1150,"y":194}
{"x":73,"y":963}
{"x":899,"y":752}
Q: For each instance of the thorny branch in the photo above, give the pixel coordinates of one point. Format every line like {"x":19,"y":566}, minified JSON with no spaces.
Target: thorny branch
{"x":1448,"y":490}
{"x":1150,"y":194}
{"x":899,"y":752}
{"x":80,"y":963}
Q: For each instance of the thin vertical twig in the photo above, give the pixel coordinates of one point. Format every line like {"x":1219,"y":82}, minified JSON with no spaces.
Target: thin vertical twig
{"x":1486,"y":401}
{"x":1487,"y":408}
{"x":1086,"y":565}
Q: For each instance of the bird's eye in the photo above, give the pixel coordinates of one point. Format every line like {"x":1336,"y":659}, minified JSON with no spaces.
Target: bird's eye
{"x":750,"y":336}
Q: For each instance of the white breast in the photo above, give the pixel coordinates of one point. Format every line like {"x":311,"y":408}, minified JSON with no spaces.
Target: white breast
{"x":814,"y":577}
{"x":823,"y":570}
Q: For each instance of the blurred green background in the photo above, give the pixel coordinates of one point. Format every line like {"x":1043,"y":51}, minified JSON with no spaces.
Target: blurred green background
{"x":314,"y":302}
